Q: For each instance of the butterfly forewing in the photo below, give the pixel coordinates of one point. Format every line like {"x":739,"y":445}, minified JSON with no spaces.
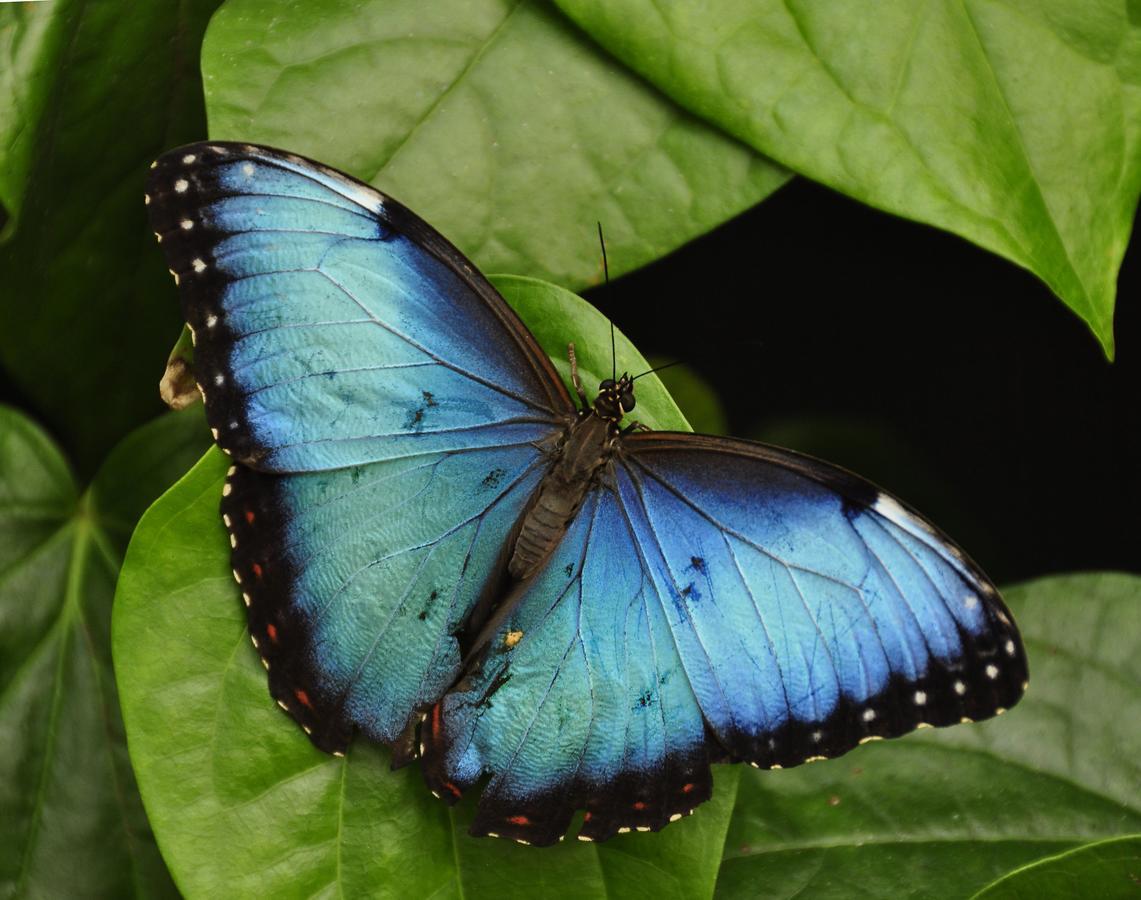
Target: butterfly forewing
{"x":812,"y":610}
{"x":333,"y":327}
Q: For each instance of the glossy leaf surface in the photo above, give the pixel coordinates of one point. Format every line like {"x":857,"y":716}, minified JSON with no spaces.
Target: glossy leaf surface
{"x":88,"y":97}
{"x":1013,"y":123}
{"x":216,"y":759}
{"x":497,"y":121}
{"x":73,"y":824}
{"x":1105,"y":869}
{"x":942,"y":814}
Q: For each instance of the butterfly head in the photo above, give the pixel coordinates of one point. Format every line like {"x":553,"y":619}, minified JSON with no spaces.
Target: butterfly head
{"x":615,"y":398}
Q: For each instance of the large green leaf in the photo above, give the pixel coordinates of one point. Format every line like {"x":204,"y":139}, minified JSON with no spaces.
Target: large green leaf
{"x":496,"y":120}
{"x":942,"y":814}
{"x":1106,"y":870}
{"x":72,"y":824}
{"x":90,"y":93}
{"x":1014,"y":123}
{"x":240,"y":800}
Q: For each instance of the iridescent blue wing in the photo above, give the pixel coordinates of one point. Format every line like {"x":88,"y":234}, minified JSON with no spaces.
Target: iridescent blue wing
{"x":332,"y":326}
{"x":580,"y":700}
{"x":722,"y":600}
{"x":359,"y":581}
{"x":388,"y":412}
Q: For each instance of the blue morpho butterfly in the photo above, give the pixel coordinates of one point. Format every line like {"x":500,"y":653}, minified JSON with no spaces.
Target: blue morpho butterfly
{"x":440,"y":549}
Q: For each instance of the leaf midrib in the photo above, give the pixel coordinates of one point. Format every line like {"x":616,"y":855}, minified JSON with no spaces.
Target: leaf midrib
{"x":68,"y":611}
{"x":774,"y":849}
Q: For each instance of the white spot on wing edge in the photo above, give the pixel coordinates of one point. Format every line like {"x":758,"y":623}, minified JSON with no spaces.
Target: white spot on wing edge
{"x":211,"y":321}
{"x":992,"y":671}
{"x":869,"y":715}
{"x":199,"y":265}
{"x":181,"y":185}
{"x":920,"y":698}
{"x":361,"y":194}
{"x":1010,"y":648}
{"x":888,"y":507}
{"x":186,"y":224}
{"x":960,"y":688}
{"x":189,"y":158}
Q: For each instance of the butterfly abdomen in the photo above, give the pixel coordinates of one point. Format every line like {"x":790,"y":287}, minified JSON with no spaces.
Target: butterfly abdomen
{"x":584,"y":452}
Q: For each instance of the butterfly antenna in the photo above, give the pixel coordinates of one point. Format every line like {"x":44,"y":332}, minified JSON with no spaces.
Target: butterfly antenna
{"x":676,"y":362}
{"x":606,"y":280}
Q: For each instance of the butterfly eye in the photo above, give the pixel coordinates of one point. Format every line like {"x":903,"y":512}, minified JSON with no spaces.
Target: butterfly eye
{"x":608,"y":385}
{"x":627,"y":399}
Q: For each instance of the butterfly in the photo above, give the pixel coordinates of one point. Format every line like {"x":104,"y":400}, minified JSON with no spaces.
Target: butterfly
{"x":440,"y":547}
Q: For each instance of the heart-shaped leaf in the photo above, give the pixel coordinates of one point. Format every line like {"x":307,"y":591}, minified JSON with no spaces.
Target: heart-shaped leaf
{"x":72,"y":824}
{"x":1014,"y":123}
{"x":496,"y":120}
{"x":942,"y":814}
{"x":89,"y":95}
{"x":240,"y":799}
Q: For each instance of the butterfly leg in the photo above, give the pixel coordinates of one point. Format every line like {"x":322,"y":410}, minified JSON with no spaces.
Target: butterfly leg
{"x":636,"y":426}
{"x":579,"y":389}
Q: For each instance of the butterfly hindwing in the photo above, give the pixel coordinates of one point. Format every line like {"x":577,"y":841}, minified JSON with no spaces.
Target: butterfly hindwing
{"x":332,"y":326}
{"x":812,"y":610}
{"x":580,"y":701}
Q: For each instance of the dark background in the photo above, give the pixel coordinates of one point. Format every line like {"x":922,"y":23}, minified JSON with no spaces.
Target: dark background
{"x":945,"y":374}
{"x":940,"y":371}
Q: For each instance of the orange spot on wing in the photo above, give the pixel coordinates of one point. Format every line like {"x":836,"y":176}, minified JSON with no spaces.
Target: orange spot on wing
{"x":451,"y":787}
{"x":687,"y":788}
{"x":271,"y":630}
{"x":257,"y":569}
{"x":436,"y":720}
{"x":303,"y":698}
{"x":587,"y":817}
{"x":250,"y":516}
{"x":638,"y":804}
{"x":519,"y":820}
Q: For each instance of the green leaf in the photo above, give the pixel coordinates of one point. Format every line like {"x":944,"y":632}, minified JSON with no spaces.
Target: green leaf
{"x":1105,"y":869}
{"x":943,"y":813}
{"x":240,"y":800}
{"x":89,"y":95}
{"x":556,"y":316}
{"x":73,"y":825}
{"x":694,"y":396}
{"x":1013,"y":123}
{"x":496,"y":120}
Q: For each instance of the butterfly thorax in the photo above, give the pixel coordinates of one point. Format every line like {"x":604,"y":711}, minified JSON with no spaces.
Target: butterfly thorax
{"x":579,"y":459}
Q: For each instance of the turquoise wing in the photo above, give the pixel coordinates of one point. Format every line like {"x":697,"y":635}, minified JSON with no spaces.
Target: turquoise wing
{"x":388,"y":414}
{"x":716,"y":600}
{"x":332,"y":326}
